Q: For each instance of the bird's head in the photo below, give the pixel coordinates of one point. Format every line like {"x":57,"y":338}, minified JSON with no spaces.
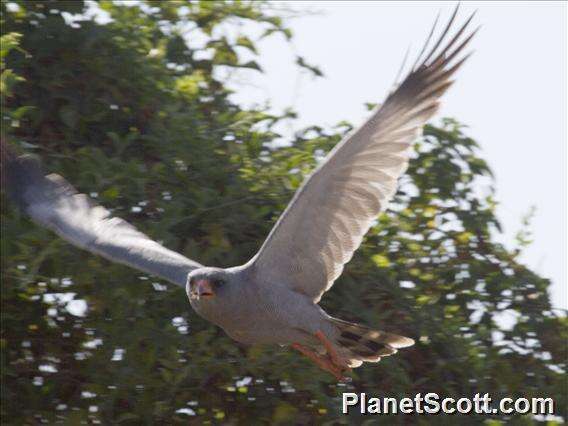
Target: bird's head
{"x":214,"y":293}
{"x":209,"y":293}
{"x":205,"y":284}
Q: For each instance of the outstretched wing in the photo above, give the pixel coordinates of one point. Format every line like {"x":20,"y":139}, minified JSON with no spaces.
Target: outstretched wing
{"x":52,"y":202}
{"x":326,"y":220}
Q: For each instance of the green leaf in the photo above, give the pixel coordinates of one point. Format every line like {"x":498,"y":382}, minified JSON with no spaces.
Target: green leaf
{"x":9,"y":42}
{"x":312,"y":68}
{"x":244,"y":41}
{"x":381,"y":261}
{"x":69,"y":116}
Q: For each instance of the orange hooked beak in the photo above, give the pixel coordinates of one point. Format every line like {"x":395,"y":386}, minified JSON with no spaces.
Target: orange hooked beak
{"x":203,"y":288}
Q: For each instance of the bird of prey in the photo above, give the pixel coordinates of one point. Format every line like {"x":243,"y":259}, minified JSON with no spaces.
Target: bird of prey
{"x":273,"y":298}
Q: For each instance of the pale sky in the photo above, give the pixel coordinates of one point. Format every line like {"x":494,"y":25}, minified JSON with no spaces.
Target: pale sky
{"x":511,"y":94}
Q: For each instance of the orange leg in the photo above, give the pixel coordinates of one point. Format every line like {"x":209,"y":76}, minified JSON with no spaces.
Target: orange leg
{"x":329,"y":349}
{"x":322,"y":362}
{"x":330,"y":362}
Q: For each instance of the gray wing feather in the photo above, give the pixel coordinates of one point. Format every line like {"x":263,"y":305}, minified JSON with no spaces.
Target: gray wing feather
{"x":326,"y":220}
{"x":52,"y":202}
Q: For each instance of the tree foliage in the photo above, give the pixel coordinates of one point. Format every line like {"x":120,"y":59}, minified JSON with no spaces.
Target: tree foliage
{"x":135,"y":111}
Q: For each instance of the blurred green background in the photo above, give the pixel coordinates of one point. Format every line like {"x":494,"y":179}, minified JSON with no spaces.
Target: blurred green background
{"x":131,"y":114}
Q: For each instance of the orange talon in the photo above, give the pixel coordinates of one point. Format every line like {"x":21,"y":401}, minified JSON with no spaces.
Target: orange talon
{"x":322,"y":362}
{"x":330,"y":362}
{"x":329,"y":348}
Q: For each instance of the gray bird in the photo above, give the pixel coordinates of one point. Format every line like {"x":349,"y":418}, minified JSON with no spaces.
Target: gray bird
{"x":273,"y":298}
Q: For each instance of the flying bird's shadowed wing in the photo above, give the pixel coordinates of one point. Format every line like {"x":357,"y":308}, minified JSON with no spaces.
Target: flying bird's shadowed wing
{"x":52,"y":202}
{"x":326,"y":220}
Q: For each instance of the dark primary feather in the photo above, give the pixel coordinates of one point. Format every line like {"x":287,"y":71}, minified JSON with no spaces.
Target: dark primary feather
{"x":52,"y":202}
{"x":326,"y":220}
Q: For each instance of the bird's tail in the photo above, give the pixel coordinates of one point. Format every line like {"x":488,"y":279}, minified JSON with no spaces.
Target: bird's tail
{"x":361,"y":344}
